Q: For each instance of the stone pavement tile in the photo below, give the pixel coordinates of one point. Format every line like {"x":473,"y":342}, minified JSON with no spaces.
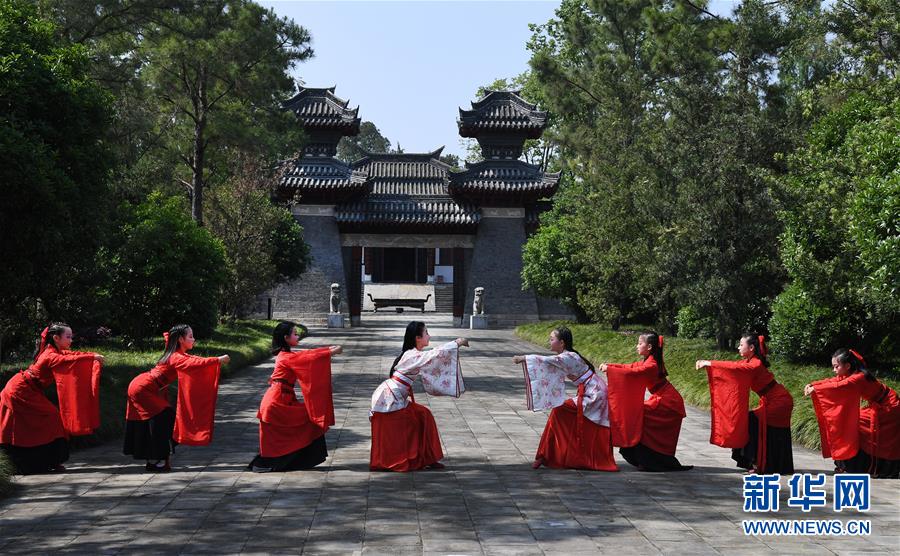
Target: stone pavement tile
{"x":693,"y":547}
{"x":512,"y":550}
{"x":392,"y":550}
{"x":331,"y":547}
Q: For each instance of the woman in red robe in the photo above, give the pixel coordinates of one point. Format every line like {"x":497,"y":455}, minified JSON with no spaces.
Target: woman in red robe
{"x":31,"y":429}
{"x":645,"y":430}
{"x":760,"y":439}
{"x":852,"y":436}
{"x":404,"y":434}
{"x":149,"y":418}
{"x":292,"y":431}
{"x":576,"y":435}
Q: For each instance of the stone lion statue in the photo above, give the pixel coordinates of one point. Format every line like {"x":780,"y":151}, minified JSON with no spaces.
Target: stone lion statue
{"x":335,"y":298}
{"x":478,"y":303}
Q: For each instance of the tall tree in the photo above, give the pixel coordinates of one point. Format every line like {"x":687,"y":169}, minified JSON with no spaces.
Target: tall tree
{"x":217,"y":70}
{"x":369,"y":139}
{"x":53,"y":171}
{"x":669,"y":121}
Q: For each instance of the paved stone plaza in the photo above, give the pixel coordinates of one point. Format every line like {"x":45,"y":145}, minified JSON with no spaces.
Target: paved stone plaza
{"x":487,"y":501}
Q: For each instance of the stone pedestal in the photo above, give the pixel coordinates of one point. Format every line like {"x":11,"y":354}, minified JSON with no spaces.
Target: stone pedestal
{"x":335,"y":320}
{"x":478,"y":322}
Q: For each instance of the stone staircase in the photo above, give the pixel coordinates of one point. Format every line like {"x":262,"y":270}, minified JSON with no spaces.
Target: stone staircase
{"x":443,"y":298}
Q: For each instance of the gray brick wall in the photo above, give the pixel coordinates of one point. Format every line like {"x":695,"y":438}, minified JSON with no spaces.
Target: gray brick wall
{"x":306,"y":299}
{"x":496,"y":265}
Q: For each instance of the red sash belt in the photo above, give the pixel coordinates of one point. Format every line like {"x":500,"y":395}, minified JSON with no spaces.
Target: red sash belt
{"x":579,"y":425}
{"x":405,"y":381}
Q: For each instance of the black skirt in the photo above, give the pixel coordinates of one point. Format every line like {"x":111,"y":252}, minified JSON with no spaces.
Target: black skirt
{"x":779,"y":450}
{"x":862,"y":463}
{"x":305,"y":458}
{"x":647,"y":459}
{"x":38,"y":459}
{"x":150,"y":439}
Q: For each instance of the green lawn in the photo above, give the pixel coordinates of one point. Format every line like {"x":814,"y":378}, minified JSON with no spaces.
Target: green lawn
{"x":600,"y":344}
{"x":247,"y":342}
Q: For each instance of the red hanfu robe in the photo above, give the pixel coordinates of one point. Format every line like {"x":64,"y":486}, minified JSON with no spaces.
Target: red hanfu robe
{"x":729,"y":395}
{"x":78,"y":391}
{"x":836,"y":404}
{"x":876,"y":428}
{"x":663,"y":414}
{"x":27,"y":417}
{"x":287,"y":424}
{"x":148,"y":393}
{"x":198,"y":387}
{"x":729,"y":404}
{"x":627,"y":384}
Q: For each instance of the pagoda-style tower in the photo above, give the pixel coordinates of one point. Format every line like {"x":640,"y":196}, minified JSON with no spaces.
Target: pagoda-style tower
{"x":507,"y":189}
{"x":317,"y":181}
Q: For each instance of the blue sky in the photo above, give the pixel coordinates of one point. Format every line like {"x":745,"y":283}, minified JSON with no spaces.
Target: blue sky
{"x":409,"y":65}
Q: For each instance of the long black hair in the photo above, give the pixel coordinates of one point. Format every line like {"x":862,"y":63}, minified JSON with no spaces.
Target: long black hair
{"x":857,"y":363}
{"x":656,"y":351}
{"x":414,"y":330}
{"x":54,"y":329}
{"x":175,"y":334}
{"x":283,"y":329}
{"x":759,"y":349}
{"x":565,"y":335}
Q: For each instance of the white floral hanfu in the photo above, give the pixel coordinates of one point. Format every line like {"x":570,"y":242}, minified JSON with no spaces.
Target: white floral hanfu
{"x":440,"y":371}
{"x":545,"y":385}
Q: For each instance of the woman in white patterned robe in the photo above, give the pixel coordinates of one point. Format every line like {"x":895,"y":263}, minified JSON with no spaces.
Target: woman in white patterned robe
{"x":577,"y":432}
{"x":404,"y":434}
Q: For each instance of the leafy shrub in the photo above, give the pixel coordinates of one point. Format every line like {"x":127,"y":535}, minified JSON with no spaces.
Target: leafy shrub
{"x":691,"y":324}
{"x":167,"y":270}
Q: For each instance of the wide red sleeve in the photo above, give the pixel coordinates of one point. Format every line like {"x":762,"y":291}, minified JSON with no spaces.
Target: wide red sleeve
{"x":729,"y":398}
{"x":836,"y":403}
{"x":627,"y":384}
{"x":77,"y":377}
{"x":314,"y":372}
{"x":198,"y":387}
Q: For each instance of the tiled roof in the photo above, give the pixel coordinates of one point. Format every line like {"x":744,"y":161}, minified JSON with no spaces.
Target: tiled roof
{"x":406,"y":191}
{"x":407,"y":213}
{"x":502,"y":111}
{"x":320,"y":108}
{"x":491,"y":181}
{"x":403,"y":165}
{"x":323,"y":179}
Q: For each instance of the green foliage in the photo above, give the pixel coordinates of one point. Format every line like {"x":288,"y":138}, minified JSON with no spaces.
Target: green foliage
{"x":263,"y":242}
{"x":369,"y":140}
{"x":841,"y":214}
{"x":803,"y":327}
{"x":669,"y":121}
{"x":290,"y":253}
{"x":166,"y":270}
{"x":691,"y":324}
{"x":546,"y":260}
{"x":216,"y":71}
{"x":53,"y":176}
